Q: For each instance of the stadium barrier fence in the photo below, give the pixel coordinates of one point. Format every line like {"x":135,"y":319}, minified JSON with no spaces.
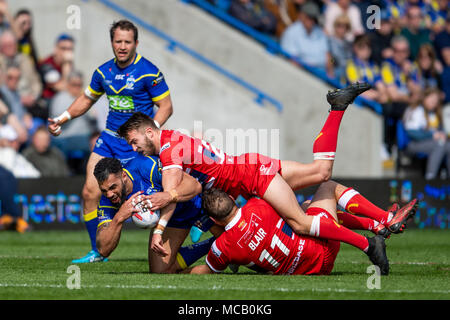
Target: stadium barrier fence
{"x":55,"y":203}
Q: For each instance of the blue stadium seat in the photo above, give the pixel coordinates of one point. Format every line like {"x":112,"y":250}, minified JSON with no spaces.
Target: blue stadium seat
{"x":403,"y":140}
{"x":418,"y":160}
{"x":222,"y":4}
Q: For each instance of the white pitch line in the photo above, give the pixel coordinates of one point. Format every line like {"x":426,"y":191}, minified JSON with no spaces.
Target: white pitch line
{"x":216,"y":288}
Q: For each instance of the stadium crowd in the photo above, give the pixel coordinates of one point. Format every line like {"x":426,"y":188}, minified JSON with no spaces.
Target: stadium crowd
{"x":33,"y":88}
{"x":400,"y":47}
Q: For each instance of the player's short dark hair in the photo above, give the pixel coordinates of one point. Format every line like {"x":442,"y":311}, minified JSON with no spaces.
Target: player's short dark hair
{"x":105,"y":167}
{"x":216,"y":203}
{"x":124,"y":25}
{"x":137,"y":121}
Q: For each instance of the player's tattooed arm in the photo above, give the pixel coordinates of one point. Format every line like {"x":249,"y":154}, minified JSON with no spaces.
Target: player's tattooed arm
{"x":107,"y":237}
{"x":108,"y":233}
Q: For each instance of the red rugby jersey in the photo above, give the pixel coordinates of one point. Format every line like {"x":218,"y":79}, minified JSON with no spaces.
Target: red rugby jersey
{"x":257,"y":235}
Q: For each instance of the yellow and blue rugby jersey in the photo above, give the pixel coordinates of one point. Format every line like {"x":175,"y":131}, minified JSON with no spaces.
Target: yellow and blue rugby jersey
{"x":145,"y":174}
{"x":361,"y":71}
{"x":131,"y":89}
{"x":393,"y":74}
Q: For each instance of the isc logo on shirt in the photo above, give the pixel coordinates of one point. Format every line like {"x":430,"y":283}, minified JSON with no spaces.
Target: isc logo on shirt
{"x":119,"y":77}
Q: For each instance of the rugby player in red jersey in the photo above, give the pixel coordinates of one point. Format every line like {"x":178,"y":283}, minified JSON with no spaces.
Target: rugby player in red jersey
{"x":257,"y":237}
{"x":254,"y":174}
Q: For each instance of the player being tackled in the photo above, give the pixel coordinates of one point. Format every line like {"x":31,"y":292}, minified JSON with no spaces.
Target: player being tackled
{"x":253,"y":174}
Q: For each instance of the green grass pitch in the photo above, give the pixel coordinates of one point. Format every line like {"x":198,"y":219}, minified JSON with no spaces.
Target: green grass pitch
{"x":34,"y":266}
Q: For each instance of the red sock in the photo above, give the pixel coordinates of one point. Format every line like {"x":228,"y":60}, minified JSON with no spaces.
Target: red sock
{"x":325,"y":145}
{"x":354,"y":222}
{"x":352,"y":201}
{"x":326,"y":228}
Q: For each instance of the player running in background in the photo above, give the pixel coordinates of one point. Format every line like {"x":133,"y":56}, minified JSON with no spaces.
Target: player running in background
{"x":257,"y":175}
{"x":131,"y":83}
{"x":141,"y":176}
{"x":257,"y":237}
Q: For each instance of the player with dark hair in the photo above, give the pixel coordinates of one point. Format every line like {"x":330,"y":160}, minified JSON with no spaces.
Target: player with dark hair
{"x":141,"y":176}
{"x":257,"y":237}
{"x":254,"y":174}
{"x":131,"y":83}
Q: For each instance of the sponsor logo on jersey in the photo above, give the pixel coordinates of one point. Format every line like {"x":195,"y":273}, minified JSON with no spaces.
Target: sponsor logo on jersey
{"x":157,"y":80}
{"x":99,"y":142}
{"x":119,"y":77}
{"x":130,"y":82}
{"x":215,"y":250}
{"x":164,"y":147}
{"x":251,"y":227}
{"x":266,"y":170}
{"x":294,"y":265}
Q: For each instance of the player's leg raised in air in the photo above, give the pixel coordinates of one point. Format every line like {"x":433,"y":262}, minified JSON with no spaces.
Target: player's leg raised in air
{"x":292,"y":176}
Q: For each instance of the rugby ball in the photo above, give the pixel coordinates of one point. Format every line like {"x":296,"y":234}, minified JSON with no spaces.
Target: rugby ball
{"x":145,"y":218}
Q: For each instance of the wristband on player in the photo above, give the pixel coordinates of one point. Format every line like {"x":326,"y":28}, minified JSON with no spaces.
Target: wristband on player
{"x":157,"y":124}
{"x":162,"y":223}
{"x":64,"y":117}
{"x":174,"y":194}
{"x":158,"y":231}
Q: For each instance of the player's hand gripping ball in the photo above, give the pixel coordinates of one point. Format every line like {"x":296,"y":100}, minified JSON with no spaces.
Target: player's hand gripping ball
{"x":145,"y":218}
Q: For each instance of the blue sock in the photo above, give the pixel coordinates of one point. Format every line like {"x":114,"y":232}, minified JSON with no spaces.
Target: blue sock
{"x":91,"y":222}
{"x":191,"y":253}
{"x":205,"y":223}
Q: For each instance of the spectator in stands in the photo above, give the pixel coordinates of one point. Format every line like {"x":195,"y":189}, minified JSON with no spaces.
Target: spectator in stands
{"x":30,"y":85}
{"x":11,"y":136}
{"x":338,"y":8}
{"x":402,"y":87}
{"x":10,"y":94}
{"x":305,"y":40}
{"x":23,"y":23}
{"x":423,"y":124}
{"x":442,"y":39}
{"x":361,"y":69}
{"x":75,"y":136}
{"x":381,"y":39}
{"x":11,"y":125}
{"x":414,"y":31}
{"x":340,"y":47}
{"x":285,"y":12}
{"x":55,"y":68}
{"x":254,"y":14}
{"x":445,"y":77}
{"x":48,"y":160}
{"x":436,"y":15}
{"x":5,"y":17}
{"x":429,"y":68}
{"x":10,"y":216}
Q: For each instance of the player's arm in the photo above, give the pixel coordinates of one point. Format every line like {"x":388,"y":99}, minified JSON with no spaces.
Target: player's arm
{"x":171,"y":178}
{"x":80,"y":106}
{"x":108,"y":233}
{"x":188,"y":188}
{"x":165,"y":110}
{"x":200,"y":269}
